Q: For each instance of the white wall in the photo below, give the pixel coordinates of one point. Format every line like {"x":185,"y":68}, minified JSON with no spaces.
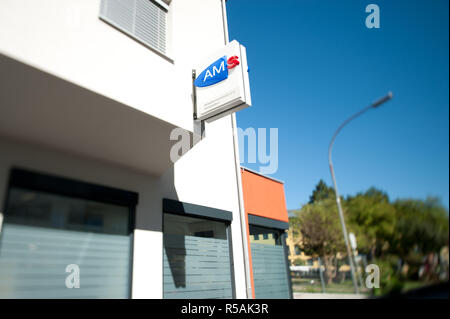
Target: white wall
{"x":67,"y":39}
{"x":147,"y":273}
{"x":205,"y":176}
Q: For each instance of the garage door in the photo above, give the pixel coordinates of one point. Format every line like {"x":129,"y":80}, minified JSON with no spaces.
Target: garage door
{"x":53,"y":245}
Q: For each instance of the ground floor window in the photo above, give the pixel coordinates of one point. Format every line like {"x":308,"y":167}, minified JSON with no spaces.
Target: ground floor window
{"x":269,"y":263}
{"x":197,"y":258}
{"x":65,"y":239}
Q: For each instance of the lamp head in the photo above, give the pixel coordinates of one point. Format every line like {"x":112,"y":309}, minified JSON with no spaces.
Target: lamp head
{"x":382,"y":100}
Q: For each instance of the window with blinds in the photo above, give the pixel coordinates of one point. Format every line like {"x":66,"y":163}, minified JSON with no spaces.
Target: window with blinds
{"x":270,"y":273}
{"x":197,"y":261}
{"x":51,"y":224}
{"x":144,"y":20}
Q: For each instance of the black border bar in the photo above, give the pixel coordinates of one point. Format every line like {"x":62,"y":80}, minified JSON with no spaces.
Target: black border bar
{"x":267,"y":222}
{"x":68,"y":187}
{"x":187,"y":209}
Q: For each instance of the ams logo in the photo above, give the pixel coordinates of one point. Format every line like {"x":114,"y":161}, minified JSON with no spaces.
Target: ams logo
{"x":217,"y":71}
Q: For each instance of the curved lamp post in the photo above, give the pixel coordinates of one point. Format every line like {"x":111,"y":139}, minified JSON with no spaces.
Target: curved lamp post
{"x":338,"y":199}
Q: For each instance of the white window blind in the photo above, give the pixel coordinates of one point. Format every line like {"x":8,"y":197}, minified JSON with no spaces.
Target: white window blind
{"x":197,"y":260}
{"x":43,"y":233}
{"x":144,"y":20}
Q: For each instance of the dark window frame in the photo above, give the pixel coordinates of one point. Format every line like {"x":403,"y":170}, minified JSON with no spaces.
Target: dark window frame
{"x":48,"y":183}
{"x":192,"y":210}
{"x":267,"y":222}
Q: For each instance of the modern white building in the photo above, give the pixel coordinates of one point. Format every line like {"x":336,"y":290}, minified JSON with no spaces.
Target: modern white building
{"x":90,"y":92}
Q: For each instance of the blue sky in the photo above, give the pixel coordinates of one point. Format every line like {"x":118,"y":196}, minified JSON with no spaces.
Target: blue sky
{"x":314,"y":63}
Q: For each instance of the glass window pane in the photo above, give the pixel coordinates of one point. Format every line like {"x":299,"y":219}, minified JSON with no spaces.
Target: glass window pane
{"x":190,"y":226}
{"x":27,"y":207}
{"x":262,"y":235}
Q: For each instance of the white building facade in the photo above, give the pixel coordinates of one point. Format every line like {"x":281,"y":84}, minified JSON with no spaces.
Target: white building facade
{"x":92,"y":206}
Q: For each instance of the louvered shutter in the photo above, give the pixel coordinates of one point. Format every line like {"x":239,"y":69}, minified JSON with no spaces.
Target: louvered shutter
{"x":144,"y":20}
{"x":196,"y":268}
{"x":49,"y":239}
{"x":197,"y":258}
{"x":33,"y":263}
{"x":269,"y":272}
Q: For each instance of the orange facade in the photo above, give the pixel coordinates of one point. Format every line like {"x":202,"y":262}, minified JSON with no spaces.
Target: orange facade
{"x":263,"y":196}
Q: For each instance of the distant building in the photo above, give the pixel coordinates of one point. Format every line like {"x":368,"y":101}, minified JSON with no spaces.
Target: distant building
{"x":296,"y":256}
{"x":299,"y":258}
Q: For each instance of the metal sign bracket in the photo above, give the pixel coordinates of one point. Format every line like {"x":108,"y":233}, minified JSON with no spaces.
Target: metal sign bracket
{"x":199,"y":125}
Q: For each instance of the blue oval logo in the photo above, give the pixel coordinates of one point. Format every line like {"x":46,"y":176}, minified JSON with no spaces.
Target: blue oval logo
{"x":215,"y":73}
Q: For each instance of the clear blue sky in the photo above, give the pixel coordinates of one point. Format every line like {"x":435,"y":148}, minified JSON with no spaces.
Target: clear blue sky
{"x":314,"y":63}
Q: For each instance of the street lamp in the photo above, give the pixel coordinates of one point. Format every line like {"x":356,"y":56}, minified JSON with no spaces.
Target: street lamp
{"x":338,"y":199}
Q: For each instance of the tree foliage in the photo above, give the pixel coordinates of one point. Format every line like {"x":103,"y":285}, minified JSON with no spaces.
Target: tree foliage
{"x":400,"y":231}
{"x":422,"y":226}
{"x":319,"y":228}
{"x":321,"y":192}
{"x":294,"y":229}
{"x":371,"y":217}
{"x":320,"y":233}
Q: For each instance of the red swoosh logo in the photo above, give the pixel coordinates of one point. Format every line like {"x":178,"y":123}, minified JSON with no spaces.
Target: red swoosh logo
{"x":232,"y":62}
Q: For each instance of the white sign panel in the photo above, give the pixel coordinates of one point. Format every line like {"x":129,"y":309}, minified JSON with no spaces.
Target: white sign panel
{"x":221,"y":84}
{"x":352,"y":239}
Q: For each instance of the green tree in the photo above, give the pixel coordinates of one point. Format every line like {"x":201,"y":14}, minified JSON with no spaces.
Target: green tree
{"x":294,"y":229}
{"x":321,"y":191}
{"x":321,"y":235}
{"x":422,"y":227}
{"x":372,"y":218}
{"x":406,"y":230}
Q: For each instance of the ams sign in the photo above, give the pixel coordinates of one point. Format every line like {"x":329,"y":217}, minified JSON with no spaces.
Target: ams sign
{"x":222,"y":87}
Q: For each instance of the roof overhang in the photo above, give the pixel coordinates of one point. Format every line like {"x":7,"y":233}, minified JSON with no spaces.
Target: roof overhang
{"x":43,"y":109}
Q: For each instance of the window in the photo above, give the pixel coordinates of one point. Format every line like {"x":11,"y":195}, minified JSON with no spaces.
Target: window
{"x":39,"y":209}
{"x":198,"y":258}
{"x":269,"y":263}
{"x":144,"y":20}
{"x":268,"y":236}
{"x":51,"y":223}
{"x":197,"y":262}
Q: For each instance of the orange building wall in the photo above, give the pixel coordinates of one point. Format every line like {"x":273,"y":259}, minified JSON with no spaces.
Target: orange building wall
{"x":263,"y":196}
